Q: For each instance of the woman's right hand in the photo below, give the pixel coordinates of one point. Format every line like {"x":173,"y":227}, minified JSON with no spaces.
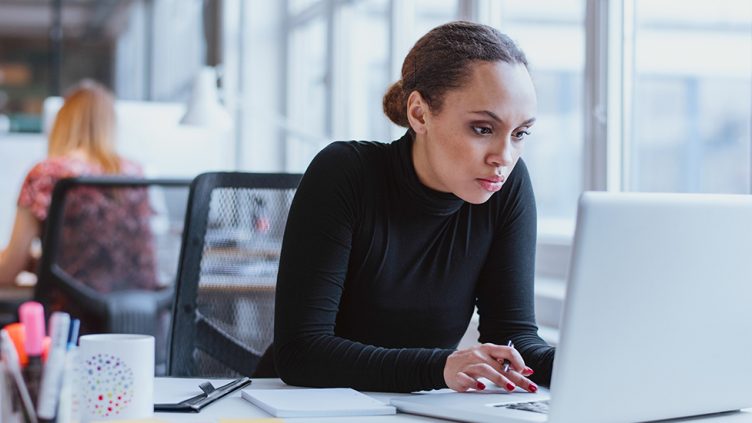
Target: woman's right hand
{"x":463,"y":368}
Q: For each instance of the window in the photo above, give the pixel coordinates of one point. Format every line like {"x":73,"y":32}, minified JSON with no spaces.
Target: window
{"x":430,"y":14}
{"x":308,"y":92}
{"x":691,"y":109}
{"x":364,"y":75}
{"x":334,"y":85}
{"x":296,"y":6}
{"x":552,"y":35}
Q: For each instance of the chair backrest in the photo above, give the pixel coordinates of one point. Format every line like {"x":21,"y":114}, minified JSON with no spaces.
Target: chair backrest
{"x":110,"y":254}
{"x":223,"y":318}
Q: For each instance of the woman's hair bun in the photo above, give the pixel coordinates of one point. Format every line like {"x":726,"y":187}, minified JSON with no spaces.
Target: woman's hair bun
{"x":395,"y":105}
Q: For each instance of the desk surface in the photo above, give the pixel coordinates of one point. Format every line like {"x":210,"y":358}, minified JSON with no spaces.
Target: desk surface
{"x":175,"y":389}
{"x":16,"y":293}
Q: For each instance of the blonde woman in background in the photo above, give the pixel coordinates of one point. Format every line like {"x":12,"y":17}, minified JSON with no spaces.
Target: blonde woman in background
{"x":81,"y":143}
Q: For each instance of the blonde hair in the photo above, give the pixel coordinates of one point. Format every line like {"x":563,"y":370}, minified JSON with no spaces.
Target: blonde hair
{"x":87,"y":122}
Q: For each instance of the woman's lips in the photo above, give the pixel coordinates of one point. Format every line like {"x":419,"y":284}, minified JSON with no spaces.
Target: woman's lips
{"x":492,"y":184}
{"x":495,"y":178}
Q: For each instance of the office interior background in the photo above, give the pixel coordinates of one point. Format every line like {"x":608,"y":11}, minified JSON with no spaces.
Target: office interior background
{"x":634,"y":95}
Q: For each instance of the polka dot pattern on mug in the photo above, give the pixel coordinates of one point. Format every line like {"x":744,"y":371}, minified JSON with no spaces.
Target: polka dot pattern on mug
{"x":109,"y":385}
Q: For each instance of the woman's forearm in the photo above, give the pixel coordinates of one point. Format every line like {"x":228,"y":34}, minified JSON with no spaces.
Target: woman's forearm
{"x":16,"y":255}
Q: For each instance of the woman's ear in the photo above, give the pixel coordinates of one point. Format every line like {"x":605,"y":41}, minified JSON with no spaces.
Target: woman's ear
{"x":417,"y":109}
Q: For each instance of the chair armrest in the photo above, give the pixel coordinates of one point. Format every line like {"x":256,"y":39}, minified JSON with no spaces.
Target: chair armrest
{"x":76,"y":292}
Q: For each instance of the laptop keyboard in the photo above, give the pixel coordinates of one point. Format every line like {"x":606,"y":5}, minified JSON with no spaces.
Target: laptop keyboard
{"x":534,"y":406}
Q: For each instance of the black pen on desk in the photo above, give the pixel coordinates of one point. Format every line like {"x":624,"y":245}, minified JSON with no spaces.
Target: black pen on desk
{"x":506,"y":362}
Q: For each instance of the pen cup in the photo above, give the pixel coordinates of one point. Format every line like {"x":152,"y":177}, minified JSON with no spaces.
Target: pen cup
{"x":116,"y":377}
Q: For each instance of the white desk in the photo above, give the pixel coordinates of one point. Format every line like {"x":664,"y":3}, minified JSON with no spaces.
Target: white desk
{"x":233,"y":406}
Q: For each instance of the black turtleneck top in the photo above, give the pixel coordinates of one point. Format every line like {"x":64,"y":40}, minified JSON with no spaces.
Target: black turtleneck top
{"x":379,"y":274}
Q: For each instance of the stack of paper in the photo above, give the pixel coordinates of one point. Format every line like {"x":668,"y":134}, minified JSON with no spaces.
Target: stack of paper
{"x":322,"y":402}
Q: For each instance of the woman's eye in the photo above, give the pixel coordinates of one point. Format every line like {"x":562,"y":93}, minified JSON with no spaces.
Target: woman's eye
{"x":482,"y":130}
{"x":520,"y":135}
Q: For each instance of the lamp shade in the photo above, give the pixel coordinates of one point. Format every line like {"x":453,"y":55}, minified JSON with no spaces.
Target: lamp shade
{"x":204,"y":108}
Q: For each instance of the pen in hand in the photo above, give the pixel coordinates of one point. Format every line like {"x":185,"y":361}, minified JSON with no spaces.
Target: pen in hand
{"x":506,"y":362}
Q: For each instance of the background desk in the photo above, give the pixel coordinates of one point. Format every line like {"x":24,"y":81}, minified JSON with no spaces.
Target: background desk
{"x":174,"y":390}
{"x":16,"y":293}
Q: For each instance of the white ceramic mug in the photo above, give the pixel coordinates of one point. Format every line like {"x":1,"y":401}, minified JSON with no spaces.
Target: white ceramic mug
{"x":117,"y":377}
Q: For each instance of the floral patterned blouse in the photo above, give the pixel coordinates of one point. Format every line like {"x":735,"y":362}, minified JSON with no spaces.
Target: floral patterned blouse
{"x":106,"y":241}
{"x":36,"y":191}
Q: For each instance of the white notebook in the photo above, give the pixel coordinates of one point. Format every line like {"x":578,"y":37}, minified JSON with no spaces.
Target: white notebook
{"x":319,"y":402}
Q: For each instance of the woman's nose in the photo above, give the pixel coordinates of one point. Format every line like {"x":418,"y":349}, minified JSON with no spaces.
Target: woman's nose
{"x":502,"y":155}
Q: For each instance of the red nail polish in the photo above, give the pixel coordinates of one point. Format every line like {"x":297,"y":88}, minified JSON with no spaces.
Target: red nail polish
{"x":510,"y":387}
{"x":532,"y":388}
{"x":480,"y":386}
{"x":529,"y":371}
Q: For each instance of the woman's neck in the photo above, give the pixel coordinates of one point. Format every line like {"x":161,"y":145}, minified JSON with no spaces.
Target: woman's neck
{"x":422,"y":166}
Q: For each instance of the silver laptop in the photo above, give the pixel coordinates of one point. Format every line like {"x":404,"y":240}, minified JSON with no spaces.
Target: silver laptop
{"x":657,"y":322}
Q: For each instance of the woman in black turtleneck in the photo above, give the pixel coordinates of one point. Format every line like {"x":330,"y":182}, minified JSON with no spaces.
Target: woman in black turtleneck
{"x":389,"y":247}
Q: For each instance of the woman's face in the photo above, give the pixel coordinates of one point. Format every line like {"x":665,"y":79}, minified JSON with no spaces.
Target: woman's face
{"x":471,"y":146}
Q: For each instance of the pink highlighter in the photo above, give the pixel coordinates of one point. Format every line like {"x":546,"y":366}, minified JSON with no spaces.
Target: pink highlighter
{"x":32,"y":317}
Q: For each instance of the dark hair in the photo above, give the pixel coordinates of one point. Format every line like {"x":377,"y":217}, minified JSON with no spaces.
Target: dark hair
{"x":440,"y":61}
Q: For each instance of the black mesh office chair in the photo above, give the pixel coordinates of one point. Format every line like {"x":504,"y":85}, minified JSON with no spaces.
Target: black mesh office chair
{"x":223,"y":319}
{"x":110,"y":254}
